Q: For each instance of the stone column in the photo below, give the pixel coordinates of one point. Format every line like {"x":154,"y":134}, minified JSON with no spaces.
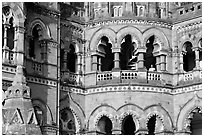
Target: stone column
{"x":181,"y":62}
{"x":99,"y":64}
{"x":158,"y":67}
{"x":94,"y":63}
{"x":20,"y":46}
{"x":5,"y":47}
{"x":43,"y":46}
{"x":65,"y":60}
{"x":197,"y":58}
{"x":5,"y":35}
{"x":116,"y":52}
{"x":140,"y":59}
{"x":79,"y":63}
{"x":163,"y":62}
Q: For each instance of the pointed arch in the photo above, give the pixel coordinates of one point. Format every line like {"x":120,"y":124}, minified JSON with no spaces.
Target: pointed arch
{"x":17,"y":11}
{"x":161,"y":113}
{"x":45,"y":32}
{"x":161,"y":37}
{"x":188,"y":107}
{"x":97,"y":113}
{"x":109,"y":33}
{"x":131,"y":30}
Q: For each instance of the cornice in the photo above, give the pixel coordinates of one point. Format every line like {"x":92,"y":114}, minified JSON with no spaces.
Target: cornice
{"x":130,"y":21}
{"x":43,"y":10}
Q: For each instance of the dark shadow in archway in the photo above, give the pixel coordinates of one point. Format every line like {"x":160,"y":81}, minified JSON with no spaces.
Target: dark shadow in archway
{"x":151,"y":125}
{"x":128,"y":126}
{"x":105,"y":125}
{"x":196,"y":124}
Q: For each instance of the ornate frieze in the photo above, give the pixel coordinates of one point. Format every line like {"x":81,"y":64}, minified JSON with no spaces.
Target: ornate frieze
{"x":133,"y":89}
{"x":129,"y":21}
{"x":194,"y":27}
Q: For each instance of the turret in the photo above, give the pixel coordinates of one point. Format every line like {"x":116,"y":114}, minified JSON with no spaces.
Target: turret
{"x":18,"y":115}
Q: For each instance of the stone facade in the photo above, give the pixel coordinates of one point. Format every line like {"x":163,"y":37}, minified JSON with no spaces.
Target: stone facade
{"x":99,"y":67}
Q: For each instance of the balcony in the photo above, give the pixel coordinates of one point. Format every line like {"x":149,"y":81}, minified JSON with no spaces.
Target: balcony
{"x":131,"y":77}
{"x":128,"y":77}
{"x":191,"y":77}
{"x":70,"y":78}
{"x":34,"y":67}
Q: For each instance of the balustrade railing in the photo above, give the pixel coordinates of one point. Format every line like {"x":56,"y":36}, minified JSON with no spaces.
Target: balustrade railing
{"x":188,"y":76}
{"x":37,"y":66}
{"x":154,"y":76}
{"x":104,"y":76}
{"x":71,"y":78}
{"x":34,"y":67}
{"x":128,"y":75}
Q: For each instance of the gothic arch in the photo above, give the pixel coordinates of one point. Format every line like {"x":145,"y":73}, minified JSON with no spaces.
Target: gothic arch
{"x":161,"y":39}
{"x":131,"y":30}
{"x":162,"y":114}
{"x":17,"y":11}
{"x":45,"y":109}
{"x":184,"y":39}
{"x":78,"y":120}
{"x":182,"y":119}
{"x":45,"y":28}
{"x":77,"y":111}
{"x":109,"y":33}
{"x":130,"y":109}
{"x":97,"y":113}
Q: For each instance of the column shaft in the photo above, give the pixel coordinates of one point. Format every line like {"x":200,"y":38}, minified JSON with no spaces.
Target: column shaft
{"x":116,"y":60}
{"x":94,"y":63}
{"x":197,"y":59}
{"x":140,"y":60}
{"x":163,"y":62}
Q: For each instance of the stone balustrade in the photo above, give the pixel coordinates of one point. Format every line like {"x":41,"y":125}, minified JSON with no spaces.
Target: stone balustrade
{"x":131,"y":77}
{"x":188,"y":76}
{"x":37,"y":66}
{"x":128,"y":75}
{"x":154,"y":76}
{"x":71,"y":78}
{"x":104,"y":76}
{"x":8,"y":56}
{"x":34,"y":67}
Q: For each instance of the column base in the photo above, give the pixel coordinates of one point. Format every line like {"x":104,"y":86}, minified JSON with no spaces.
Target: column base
{"x":116,"y":132}
{"x":116,"y":69}
{"x":141,"y":132}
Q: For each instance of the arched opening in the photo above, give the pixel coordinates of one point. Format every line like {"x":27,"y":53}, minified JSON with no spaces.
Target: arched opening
{"x":9,"y":25}
{"x":127,"y":49}
{"x":128,"y":126}
{"x":150,"y":60}
{"x":39,"y":115}
{"x":67,"y":123}
{"x":71,"y":59}
{"x":10,"y":34}
{"x":105,"y":125}
{"x":196,"y":124}
{"x":189,"y":57}
{"x":104,"y":48}
{"x":34,"y":48}
{"x":151,"y":125}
